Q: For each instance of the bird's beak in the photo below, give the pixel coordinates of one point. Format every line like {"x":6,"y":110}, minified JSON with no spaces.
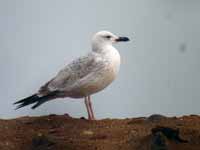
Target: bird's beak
{"x":122,"y":39}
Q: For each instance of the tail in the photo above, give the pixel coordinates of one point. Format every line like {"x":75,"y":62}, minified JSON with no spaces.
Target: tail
{"x":38,"y":100}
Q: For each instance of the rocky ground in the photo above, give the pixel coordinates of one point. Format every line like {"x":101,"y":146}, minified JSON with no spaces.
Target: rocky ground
{"x":62,"y":132}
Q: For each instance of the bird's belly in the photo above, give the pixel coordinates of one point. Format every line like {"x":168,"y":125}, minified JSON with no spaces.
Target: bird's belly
{"x":100,"y":82}
{"x":97,"y":83}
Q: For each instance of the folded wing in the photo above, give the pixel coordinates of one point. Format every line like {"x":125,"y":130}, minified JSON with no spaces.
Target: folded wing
{"x":73,"y":73}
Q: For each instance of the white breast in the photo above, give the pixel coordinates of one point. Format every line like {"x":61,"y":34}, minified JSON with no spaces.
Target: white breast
{"x":113,"y":58}
{"x":107,"y":74}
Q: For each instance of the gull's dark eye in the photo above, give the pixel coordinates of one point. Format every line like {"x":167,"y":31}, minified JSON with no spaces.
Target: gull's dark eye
{"x":108,"y":36}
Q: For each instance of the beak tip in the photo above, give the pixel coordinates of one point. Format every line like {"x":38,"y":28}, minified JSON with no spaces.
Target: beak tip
{"x":127,"y":39}
{"x":123,"y":39}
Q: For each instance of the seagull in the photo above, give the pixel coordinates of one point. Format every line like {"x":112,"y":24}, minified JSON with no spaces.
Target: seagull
{"x":84,"y":76}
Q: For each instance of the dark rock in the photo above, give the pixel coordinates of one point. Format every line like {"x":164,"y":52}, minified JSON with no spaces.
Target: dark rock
{"x":156,"y":118}
{"x":172,"y":134}
{"x":83,"y":118}
{"x":42,"y":142}
{"x":158,"y":142}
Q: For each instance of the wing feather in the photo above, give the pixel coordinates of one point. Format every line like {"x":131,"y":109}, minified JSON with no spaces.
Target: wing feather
{"x":73,"y":72}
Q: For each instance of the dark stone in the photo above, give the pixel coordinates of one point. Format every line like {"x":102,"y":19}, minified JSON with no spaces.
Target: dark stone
{"x":158,"y":142}
{"x":172,"y":134}
{"x":156,"y":118}
{"x":42,"y":142}
{"x":83,"y":118}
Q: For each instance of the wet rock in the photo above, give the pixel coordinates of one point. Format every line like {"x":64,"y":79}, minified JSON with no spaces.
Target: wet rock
{"x":158,"y":142}
{"x":171,"y":134}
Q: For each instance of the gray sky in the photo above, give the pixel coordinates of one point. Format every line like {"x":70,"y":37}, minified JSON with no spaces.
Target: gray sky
{"x":160,"y":66}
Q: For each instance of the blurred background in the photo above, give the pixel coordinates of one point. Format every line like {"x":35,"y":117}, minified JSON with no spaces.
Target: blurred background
{"x":160,"y":65}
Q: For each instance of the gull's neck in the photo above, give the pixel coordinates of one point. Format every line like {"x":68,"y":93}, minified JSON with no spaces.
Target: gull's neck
{"x":103,"y":48}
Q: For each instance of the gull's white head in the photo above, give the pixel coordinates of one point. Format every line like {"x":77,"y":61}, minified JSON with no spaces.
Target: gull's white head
{"x":104,"y":38}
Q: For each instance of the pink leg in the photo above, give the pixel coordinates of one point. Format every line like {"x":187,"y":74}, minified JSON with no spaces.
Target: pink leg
{"x":90,"y":106}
